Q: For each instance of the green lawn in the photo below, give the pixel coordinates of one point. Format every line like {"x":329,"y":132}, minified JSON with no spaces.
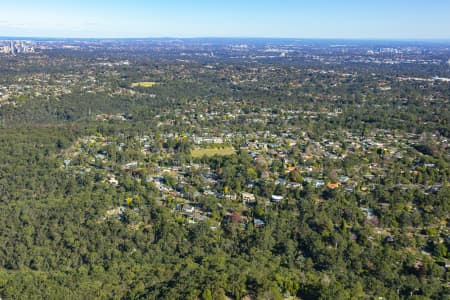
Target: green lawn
{"x":144,"y":84}
{"x":223,"y":151}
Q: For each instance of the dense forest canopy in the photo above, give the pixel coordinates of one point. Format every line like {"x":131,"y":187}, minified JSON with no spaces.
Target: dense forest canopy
{"x":218,"y":169}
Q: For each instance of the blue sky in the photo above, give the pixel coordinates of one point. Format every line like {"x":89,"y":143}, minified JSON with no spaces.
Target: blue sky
{"x":391,"y":19}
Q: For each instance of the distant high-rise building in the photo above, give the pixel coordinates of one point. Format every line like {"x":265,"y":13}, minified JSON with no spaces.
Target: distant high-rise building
{"x":13,"y":50}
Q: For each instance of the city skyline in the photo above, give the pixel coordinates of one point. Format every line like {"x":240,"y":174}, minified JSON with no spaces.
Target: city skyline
{"x":350,"y":19}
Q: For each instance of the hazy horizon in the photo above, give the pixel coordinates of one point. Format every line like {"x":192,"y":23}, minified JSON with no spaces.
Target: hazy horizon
{"x":322,"y":19}
{"x":249,"y":38}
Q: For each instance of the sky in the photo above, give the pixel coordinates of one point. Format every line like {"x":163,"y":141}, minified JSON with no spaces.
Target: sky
{"x":345,"y":19}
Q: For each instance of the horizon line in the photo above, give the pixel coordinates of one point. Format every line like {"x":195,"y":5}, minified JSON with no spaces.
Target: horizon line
{"x":406,"y":39}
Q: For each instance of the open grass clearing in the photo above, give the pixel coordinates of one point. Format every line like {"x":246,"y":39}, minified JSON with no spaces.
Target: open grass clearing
{"x":209,"y":152}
